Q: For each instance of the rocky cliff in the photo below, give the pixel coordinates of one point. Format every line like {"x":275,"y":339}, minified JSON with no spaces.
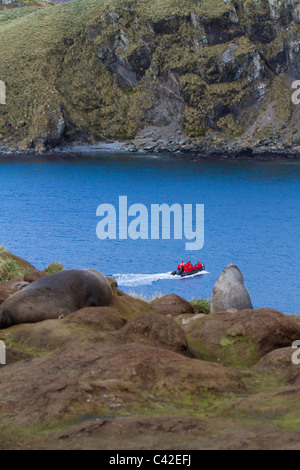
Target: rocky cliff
{"x":178,"y":75}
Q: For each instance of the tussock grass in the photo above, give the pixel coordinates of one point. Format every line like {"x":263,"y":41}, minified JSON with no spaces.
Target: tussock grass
{"x":9,"y":268}
{"x":144,"y":297}
{"x":201,"y":305}
{"x":139,"y":296}
{"x":54,"y":267}
{"x":157,"y":295}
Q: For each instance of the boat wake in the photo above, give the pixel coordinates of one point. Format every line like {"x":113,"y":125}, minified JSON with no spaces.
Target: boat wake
{"x":146,"y":279}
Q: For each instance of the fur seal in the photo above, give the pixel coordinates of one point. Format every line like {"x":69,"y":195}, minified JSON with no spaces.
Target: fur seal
{"x":55,"y":296}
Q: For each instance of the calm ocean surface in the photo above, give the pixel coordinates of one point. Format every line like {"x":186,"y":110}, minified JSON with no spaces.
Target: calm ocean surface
{"x":252,"y":218}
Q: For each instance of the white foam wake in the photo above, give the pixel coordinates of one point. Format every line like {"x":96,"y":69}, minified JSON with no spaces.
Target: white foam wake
{"x":146,"y":279}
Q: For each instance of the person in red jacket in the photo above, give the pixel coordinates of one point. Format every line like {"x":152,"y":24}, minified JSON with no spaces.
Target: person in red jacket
{"x":199,"y":265}
{"x":186,"y":268}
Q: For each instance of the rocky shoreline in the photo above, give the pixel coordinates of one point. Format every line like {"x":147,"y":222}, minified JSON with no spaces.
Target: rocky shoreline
{"x":132,"y":374}
{"x":214,"y":148}
{"x":171,"y":140}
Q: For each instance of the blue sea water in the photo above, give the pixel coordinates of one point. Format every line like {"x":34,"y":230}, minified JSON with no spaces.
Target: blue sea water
{"x":251,"y":218}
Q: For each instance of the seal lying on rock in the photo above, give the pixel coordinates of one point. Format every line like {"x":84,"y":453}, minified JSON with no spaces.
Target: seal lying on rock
{"x":55,"y":296}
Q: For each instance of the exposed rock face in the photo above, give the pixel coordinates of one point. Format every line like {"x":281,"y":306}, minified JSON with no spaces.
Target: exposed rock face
{"x":242,"y":337}
{"x":219,"y":71}
{"x":230,"y":291}
{"x":127,"y":68}
{"x":172,"y":304}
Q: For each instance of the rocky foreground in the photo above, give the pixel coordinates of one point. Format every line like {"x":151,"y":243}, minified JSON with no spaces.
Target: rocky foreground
{"x":139,"y":375}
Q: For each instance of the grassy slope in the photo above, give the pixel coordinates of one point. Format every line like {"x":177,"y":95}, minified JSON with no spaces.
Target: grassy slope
{"x":47,"y":27}
{"x":47,"y":64}
{"x":23,"y":61}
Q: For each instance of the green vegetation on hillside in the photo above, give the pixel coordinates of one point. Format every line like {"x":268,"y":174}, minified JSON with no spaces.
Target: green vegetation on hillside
{"x":105,"y":69}
{"x":54,"y":267}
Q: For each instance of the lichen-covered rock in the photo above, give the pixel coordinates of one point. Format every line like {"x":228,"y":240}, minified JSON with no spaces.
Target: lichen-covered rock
{"x":240,"y":338}
{"x":230,"y":291}
{"x":284,"y":361}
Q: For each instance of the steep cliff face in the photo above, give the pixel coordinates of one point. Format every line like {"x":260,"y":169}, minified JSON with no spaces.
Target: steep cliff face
{"x":184,"y":73}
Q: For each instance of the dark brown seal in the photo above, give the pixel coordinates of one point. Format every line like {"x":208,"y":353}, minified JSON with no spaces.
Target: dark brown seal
{"x":55,"y":296}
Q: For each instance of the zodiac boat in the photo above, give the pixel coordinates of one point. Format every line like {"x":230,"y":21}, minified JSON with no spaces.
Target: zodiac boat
{"x":181,"y":273}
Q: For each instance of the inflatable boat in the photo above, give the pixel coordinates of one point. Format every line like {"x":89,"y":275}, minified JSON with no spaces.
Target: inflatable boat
{"x":181,"y":273}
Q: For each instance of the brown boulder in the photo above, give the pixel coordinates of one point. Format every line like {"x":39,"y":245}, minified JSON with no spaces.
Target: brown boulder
{"x":129,"y":307}
{"x":240,"y":338}
{"x":155,"y":329}
{"x":102,"y":318}
{"x":88,"y":324}
{"x":278,"y":358}
{"x":6,"y":291}
{"x":281,"y":361}
{"x":34,"y":275}
{"x":172,"y":304}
